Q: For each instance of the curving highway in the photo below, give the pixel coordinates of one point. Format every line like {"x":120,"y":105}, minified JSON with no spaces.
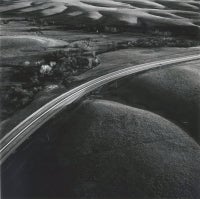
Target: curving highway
{"x":10,"y":142}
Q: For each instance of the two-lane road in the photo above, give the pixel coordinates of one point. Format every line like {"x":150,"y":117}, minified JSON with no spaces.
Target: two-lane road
{"x":10,"y":142}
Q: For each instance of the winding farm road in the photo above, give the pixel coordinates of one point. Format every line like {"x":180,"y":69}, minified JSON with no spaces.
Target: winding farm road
{"x":10,"y":142}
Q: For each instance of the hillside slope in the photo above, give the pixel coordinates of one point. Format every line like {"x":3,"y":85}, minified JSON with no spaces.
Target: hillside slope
{"x":134,"y":13}
{"x":106,"y":150}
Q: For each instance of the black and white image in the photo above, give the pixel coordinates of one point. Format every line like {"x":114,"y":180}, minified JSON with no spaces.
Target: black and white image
{"x":100,"y":99}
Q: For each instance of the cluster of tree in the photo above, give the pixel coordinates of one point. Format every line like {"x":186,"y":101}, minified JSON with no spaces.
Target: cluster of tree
{"x":72,"y":63}
{"x":55,"y":67}
{"x":58,"y":67}
{"x":155,"y":42}
{"x":158,"y":32}
{"x":16,"y":98}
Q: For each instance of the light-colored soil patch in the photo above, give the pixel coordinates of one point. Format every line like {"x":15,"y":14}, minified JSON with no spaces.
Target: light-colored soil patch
{"x":12,"y":46}
{"x":127,"y":11}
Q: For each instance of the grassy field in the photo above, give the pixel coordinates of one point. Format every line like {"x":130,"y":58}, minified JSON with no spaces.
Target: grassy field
{"x":110,"y":61}
{"x":32,"y":49}
{"x":137,"y":137}
{"x":105,"y":14}
{"x":31,"y":31}
{"x":105,"y":149}
{"x":172,"y":92}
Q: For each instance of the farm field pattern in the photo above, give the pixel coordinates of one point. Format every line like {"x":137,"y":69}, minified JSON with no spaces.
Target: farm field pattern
{"x":157,"y":12}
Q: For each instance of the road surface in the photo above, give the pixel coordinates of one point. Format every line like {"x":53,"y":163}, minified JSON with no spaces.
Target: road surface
{"x":10,"y":142}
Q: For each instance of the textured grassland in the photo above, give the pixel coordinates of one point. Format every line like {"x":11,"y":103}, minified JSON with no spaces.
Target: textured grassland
{"x":107,"y":150}
{"x":134,"y":13}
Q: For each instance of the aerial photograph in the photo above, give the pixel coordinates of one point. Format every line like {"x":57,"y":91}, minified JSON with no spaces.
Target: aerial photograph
{"x":100,"y":99}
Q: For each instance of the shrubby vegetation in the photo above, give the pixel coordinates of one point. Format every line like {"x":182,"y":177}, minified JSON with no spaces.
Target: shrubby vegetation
{"x":18,"y":96}
{"x":157,"y":32}
{"x":59,"y":67}
{"x":156,"y":42}
{"x":56,"y":68}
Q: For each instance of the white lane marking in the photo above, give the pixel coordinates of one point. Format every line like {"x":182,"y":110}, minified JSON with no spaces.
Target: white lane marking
{"x":109,"y":77}
{"x":79,"y":87}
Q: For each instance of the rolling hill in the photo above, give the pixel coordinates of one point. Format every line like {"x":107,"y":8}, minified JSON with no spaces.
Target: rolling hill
{"x":168,"y":14}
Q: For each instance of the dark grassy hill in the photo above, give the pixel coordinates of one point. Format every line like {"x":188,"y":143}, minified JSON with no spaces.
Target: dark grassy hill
{"x":106,"y":150}
{"x":172,"y":92}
